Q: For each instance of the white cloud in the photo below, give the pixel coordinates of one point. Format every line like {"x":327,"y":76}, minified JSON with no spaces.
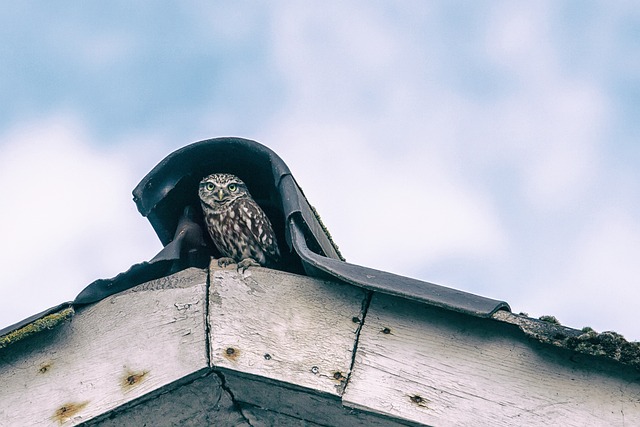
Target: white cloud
{"x":519,"y":37}
{"x":395,"y":215}
{"x":68,"y":215}
{"x":597,"y":285}
{"x":553,"y":139}
{"x":552,"y":121}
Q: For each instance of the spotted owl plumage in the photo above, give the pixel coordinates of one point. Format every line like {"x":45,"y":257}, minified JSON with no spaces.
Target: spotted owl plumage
{"x":237,"y":225}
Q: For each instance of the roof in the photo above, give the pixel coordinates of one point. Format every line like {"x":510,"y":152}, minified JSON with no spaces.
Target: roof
{"x":216,"y":347}
{"x":167,"y":196}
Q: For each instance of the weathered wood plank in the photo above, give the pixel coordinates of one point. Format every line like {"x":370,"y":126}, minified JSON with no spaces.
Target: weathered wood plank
{"x":110,"y":353}
{"x":277,"y":350}
{"x":290,"y":328}
{"x":446,"y":369}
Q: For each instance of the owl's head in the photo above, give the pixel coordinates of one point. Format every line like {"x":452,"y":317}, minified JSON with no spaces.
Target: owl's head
{"x":221,"y":189}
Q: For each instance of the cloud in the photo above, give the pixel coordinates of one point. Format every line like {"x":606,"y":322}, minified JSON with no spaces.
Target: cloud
{"x":68,"y":215}
{"x":388,"y":214}
{"x":377,"y":141}
{"x":597,"y":284}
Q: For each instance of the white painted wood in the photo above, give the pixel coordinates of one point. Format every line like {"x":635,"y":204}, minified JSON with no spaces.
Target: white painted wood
{"x":144,"y":357}
{"x":440,"y":368}
{"x":290,"y":328}
{"x":110,"y":353}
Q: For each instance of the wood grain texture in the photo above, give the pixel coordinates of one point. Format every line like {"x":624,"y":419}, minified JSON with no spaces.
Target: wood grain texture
{"x":110,"y":353}
{"x":445,"y":369}
{"x":272,"y":348}
{"x":293,"y":329}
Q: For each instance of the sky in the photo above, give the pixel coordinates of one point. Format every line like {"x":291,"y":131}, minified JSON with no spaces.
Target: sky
{"x":492,"y":147}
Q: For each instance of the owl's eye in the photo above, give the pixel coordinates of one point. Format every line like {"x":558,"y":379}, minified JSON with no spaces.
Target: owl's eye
{"x":232,"y":187}
{"x":209,"y":186}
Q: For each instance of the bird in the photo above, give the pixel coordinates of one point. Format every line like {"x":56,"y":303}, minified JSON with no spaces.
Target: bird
{"x":238,"y":227}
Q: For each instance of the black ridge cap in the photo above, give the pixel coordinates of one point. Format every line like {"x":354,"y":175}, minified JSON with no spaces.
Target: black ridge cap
{"x":172,"y":184}
{"x":393,"y":284}
{"x":160,"y":197}
{"x":193,"y":158}
{"x":295,"y":203}
{"x":254,"y":163}
{"x":301,"y":223}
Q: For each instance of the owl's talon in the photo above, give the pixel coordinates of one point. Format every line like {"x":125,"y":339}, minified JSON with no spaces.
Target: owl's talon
{"x":225,"y":262}
{"x":246,"y":263}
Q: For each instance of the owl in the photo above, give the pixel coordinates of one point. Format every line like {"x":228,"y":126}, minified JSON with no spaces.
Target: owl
{"x":237,"y":225}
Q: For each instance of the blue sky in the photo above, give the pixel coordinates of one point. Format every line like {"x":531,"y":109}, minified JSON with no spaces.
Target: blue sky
{"x":487,"y":146}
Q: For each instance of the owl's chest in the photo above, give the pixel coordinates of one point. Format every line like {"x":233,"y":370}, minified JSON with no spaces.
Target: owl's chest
{"x":221,"y":222}
{"x":230,"y":235}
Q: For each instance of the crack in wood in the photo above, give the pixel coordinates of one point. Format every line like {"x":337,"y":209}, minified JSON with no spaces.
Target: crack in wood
{"x":220,"y":375}
{"x":225,"y":387}
{"x":363,"y":315}
{"x":207,"y":319}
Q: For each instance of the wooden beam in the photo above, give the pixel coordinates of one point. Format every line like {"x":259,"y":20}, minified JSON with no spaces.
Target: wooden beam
{"x":437,"y":367}
{"x":121,"y":349}
{"x":271,"y":348}
{"x":284,"y":327}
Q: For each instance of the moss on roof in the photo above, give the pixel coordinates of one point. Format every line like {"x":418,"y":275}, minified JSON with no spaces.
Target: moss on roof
{"x":49,"y":321}
{"x":609,"y":344}
{"x":548,"y":329}
{"x":326,"y":232}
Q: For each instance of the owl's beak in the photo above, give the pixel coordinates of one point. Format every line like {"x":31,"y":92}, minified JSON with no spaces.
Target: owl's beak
{"x":220,"y":194}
